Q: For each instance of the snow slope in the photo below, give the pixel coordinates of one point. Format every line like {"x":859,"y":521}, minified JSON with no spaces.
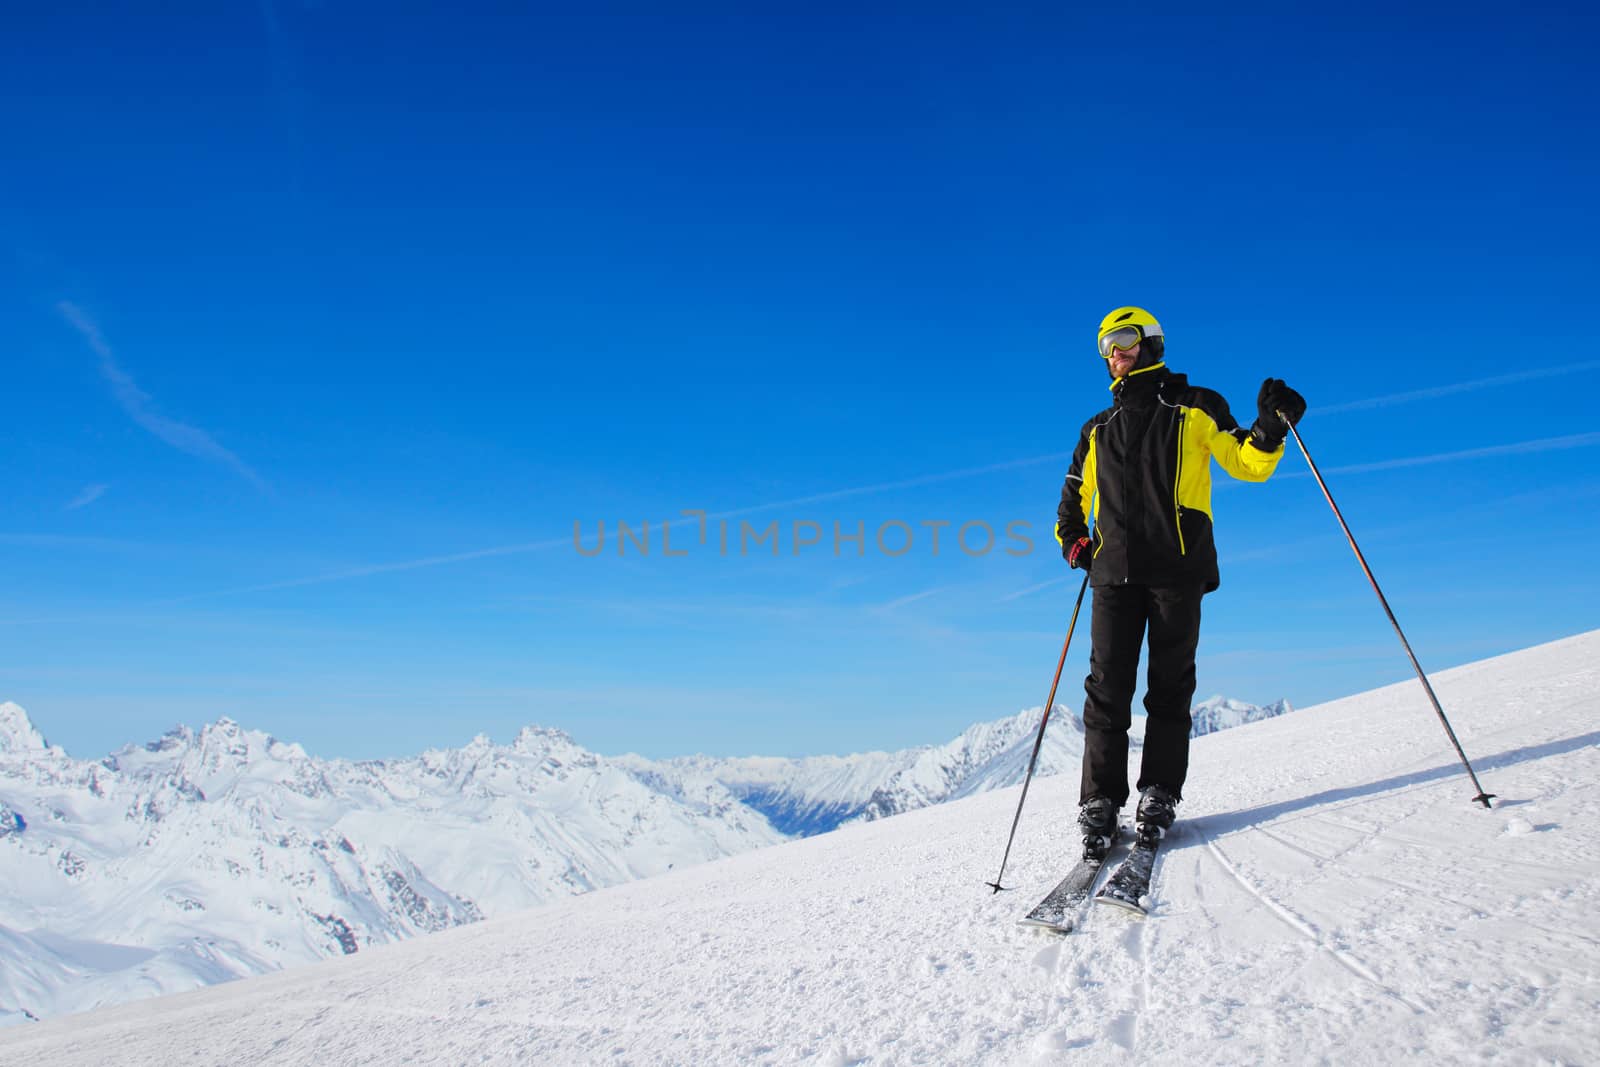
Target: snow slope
{"x":1330,"y":895}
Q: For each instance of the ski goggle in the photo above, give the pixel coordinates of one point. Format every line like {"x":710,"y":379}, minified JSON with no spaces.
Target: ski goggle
{"x":1122,"y":338}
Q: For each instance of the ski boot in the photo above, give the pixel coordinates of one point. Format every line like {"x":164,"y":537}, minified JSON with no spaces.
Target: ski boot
{"x":1158,"y":807}
{"x":1097,"y":818}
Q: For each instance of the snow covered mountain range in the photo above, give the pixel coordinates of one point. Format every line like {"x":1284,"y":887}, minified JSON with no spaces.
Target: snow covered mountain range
{"x":816,"y":794}
{"x":1329,"y":894}
{"x":204,"y":856}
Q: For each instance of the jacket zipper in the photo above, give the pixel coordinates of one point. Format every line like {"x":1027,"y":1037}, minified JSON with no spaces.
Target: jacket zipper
{"x":1177,"y":480}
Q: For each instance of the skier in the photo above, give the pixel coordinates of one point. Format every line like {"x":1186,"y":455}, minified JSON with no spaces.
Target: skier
{"x":1141,"y":472}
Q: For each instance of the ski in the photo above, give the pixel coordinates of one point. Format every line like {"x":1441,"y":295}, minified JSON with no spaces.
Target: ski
{"x":1129,"y":884}
{"x":1060,"y":910}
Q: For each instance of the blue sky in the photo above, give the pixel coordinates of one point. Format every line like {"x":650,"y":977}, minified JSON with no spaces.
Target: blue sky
{"x":324,"y":324}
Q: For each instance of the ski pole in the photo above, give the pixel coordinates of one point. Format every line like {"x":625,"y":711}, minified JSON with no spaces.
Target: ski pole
{"x":1482,"y":797}
{"x":1049,"y":703}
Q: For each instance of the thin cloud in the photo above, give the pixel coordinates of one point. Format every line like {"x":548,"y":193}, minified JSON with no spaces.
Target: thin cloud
{"x":1032,"y":589}
{"x":87,"y":496}
{"x":114,"y":374}
{"x":912,"y":599}
{"x":1453,"y":388}
{"x":140,"y":407}
{"x":67,"y":541}
{"x":378,"y":568}
{"x":680,"y":521}
{"x":1543,"y":444}
{"x":656,"y":610}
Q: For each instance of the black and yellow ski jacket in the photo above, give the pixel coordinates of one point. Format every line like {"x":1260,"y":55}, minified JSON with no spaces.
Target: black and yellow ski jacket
{"x":1142,"y":474}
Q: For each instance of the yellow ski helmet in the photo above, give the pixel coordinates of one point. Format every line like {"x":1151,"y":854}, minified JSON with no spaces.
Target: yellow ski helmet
{"x":1126,"y":327}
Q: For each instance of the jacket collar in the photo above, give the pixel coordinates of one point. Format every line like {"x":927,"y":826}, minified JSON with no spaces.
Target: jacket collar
{"x":1137,"y":382}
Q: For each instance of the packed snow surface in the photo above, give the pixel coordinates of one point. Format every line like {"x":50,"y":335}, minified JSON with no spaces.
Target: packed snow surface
{"x":1330,"y":893}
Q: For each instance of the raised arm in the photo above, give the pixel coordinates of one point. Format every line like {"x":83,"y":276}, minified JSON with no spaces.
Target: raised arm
{"x":1234,"y":448}
{"x":1251,"y":455}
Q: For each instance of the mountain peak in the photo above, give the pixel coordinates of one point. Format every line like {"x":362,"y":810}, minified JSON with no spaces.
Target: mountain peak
{"x":180,"y":736}
{"x":540,"y":738}
{"x":1221,"y":713}
{"x":17,"y":733}
{"x":223,"y":732}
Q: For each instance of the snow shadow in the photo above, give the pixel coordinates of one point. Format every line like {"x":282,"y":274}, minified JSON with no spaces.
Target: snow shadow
{"x":1227,"y":822}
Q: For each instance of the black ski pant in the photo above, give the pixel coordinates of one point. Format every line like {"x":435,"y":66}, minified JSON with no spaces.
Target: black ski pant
{"x":1121,"y":615}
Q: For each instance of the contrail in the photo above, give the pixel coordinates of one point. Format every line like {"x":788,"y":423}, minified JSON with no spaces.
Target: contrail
{"x":1456,"y":387}
{"x":910,"y":599}
{"x":137,"y":403}
{"x":376,"y":568}
{"x":1031,"y":589}
{"x":679,"y":520}
{"x":87,"y":496}
{"x":1541,"y":445}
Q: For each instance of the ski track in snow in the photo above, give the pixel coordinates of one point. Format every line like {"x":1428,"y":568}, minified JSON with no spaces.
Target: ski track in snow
{"x":1329,"y":894}
{"x":1348,"y":960}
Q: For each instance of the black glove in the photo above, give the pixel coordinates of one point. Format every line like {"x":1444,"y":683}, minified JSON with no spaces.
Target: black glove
{"x":1275,"y":396}
{"x":1079,"y":553}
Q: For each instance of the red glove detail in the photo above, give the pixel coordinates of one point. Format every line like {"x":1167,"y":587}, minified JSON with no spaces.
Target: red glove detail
{"x":1080,"y":554}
